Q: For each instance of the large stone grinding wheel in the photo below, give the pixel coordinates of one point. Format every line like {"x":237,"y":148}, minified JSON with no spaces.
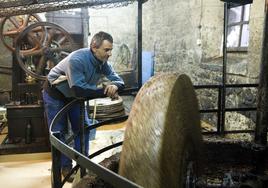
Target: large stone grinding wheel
{"x":162,"y":144}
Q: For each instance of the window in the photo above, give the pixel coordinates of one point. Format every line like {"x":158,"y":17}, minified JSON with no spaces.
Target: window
{"x":238,"y":28}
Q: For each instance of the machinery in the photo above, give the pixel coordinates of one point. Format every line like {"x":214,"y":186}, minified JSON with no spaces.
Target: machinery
{"x":36,"y":47}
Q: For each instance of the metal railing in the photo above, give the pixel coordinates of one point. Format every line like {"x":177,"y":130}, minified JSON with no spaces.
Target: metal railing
{"x":220,"y":110}
{"x":84,"y":162}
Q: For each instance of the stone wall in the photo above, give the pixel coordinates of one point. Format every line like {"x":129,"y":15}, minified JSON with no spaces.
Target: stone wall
{"x":186,"y":36}
{"x":121,"y":24}
{"x":172,"y":33}
{"x":256,"y":25}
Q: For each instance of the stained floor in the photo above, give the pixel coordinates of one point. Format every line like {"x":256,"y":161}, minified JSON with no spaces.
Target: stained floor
{"x":33,"y":170}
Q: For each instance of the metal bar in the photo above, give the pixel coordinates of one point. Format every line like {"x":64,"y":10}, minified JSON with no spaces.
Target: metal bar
{"x":227,"y":132}
{"x":224,"y":59}
{"x":238,"y":131}
{"x":98,"y":153}
{"x":238,"y":23}
{"x":229,"y":110}
{"x":241,"y":26}
{"x":82,"y":134}
{"x":56,"y":169}
{"x":139,"y":43}
{"x":219,"y":112}
{"x":226,"y":86}
{"x":240,"y":109}
{"x":209,"y":132}
{"x":240,"y":85}
{"x":208,"y":111}
{"x":105,"y":174}
{"x":104,"y":149}
{"x":237,"y":2}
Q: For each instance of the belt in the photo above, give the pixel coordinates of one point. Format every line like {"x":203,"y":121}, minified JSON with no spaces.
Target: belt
{"x":50,"y":85}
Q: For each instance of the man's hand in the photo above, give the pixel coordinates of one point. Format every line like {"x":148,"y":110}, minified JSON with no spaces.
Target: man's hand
{"x":111,"y":91}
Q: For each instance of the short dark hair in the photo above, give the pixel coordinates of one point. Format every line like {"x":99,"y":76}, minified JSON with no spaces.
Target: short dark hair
{"x":99,"y":37}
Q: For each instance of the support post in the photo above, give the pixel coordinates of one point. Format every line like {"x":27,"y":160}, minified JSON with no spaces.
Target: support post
{"x":82,"y":133}
{"x":56,"y":165}
{"x":139,"y":43}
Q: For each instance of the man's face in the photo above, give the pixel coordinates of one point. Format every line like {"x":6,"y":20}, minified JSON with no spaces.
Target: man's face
{"x":104,"y":51}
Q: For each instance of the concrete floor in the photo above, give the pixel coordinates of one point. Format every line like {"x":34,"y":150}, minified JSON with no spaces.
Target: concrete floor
{"x":26,"y":171}
{"x":33,"y":170}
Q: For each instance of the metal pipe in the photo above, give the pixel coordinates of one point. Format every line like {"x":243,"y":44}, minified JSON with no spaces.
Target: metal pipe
{"x":219,"y":111}
{"x":139,"y":43}
{"x":226,"y":86}
{"x":82,"y":133}
{"x":56,"y":161}
{"x":224,"y":59}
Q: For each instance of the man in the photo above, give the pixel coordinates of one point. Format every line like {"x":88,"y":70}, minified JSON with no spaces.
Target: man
{"x":77,"y":76}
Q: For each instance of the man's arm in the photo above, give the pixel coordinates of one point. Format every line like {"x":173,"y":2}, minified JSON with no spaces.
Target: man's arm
{"x":90,"y":93}
{"x":116,"y":80}
{"x":76,"y":79}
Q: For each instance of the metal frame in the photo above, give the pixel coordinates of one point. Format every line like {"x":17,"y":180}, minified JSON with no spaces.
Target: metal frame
{"x":221,"y":109}
{"x":19,"y":7}
{"x":241,"y":23}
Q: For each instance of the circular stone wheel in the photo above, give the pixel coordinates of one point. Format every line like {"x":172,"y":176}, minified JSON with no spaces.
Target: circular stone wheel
{"x":163,"y":142}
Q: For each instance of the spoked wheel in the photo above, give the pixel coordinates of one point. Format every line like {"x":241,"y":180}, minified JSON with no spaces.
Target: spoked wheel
{"x":12,"y":26}
{"x":163,"y":142}
{"x":41,"y":46}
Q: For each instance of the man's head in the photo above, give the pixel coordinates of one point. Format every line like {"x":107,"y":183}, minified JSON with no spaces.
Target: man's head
{"x":102,"y":45}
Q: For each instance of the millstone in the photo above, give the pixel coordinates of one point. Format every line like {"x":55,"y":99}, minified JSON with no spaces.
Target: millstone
{"x":163,"y":136}
{"x":107,"y":108}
